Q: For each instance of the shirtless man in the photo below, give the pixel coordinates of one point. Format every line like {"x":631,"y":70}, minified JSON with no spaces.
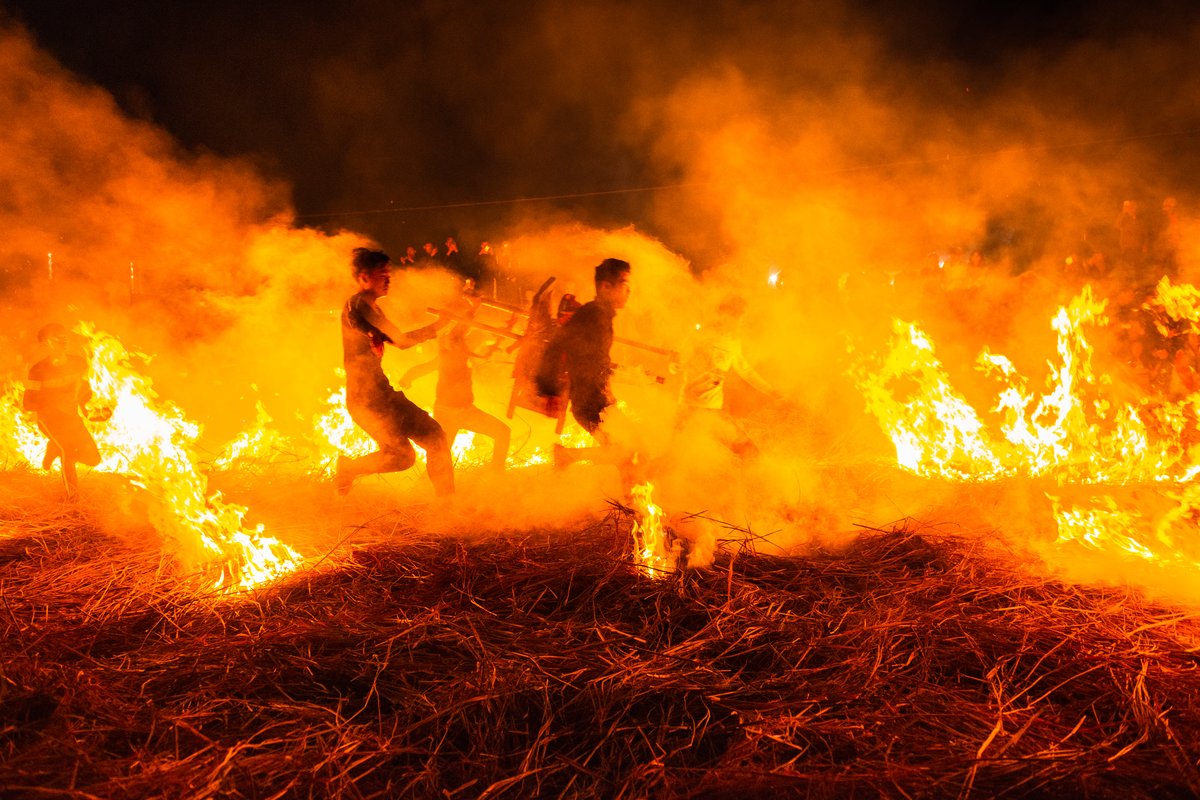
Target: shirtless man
{"x":56,"y":390}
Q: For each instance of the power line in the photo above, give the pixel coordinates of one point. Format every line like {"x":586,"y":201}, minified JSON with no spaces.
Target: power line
{"x":507,"y":201}
{"x":697,"y":184}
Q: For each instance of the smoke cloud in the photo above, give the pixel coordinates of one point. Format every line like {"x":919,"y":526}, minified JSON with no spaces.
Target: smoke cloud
{"x":805,"y":161}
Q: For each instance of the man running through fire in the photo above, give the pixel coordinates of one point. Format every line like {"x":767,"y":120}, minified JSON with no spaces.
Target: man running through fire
{"x":57,"y":389}
{"x":388,"y":417}
{"x":709,"y":358}
{"x":580,"y":351}
{"x":454,"y":404}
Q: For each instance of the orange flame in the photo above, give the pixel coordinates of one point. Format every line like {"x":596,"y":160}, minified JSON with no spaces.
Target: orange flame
{"x":652,"y":554}
{"x":150,"y":441}
{"x":254,"y":447}
{"x":20,"y":440}
{"x":1073,"y":432}
{"x":334,"y":431}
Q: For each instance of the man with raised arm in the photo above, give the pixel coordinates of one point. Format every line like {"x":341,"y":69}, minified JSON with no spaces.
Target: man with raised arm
{"x":388,"y":417}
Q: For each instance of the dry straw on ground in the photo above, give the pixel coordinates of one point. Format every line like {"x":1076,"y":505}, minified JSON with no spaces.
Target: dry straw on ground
{"x":910,"y":664}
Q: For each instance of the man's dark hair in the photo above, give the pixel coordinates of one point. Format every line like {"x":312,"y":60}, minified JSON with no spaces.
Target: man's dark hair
{"x":50,"y":330}
{"x":610,"y":270}
{"x":365,"y":259}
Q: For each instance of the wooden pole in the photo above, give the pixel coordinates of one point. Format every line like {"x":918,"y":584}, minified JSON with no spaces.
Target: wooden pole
{"x":662,"y":351}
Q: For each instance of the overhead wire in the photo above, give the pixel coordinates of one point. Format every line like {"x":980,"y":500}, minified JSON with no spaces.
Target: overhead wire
{"x":696,"y":184}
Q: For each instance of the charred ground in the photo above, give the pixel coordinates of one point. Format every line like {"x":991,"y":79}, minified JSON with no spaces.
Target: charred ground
{"x":914,"y":662}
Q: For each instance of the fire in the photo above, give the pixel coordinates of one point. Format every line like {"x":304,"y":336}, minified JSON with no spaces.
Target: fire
{"x":652,"y":553}
{"x":20,"y":440}
{"x":334,"y":432}
{"x":151,"y":442}
{"x":256,"y":446}
{"x":936,"y":432}
{"x":1105,"y":527}
{"x":464,"y":451}
{"x":1074,"y":432}
{"x":1176,"y":303}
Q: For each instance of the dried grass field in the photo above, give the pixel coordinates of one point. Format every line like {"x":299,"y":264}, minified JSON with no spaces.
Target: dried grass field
{"x":467,"y":664}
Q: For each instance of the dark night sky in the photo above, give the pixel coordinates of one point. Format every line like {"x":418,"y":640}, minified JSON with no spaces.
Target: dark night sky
{"x":368,"y":104}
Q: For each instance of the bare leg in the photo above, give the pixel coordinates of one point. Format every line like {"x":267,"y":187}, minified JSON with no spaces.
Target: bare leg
{"x":52,"y":454}
{"x":500,"y":435}
{"x":500,"y":451}
{"x":393,"y":423}
{"x":389,"y":459}
{"x":53,"y":451}
{"x":476,"y":420}
{"x":439,"y":461}
{"x":70,"y":477}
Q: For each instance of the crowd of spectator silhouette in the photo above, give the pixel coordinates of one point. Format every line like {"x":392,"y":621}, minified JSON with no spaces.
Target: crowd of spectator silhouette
{"x":482,"y":264}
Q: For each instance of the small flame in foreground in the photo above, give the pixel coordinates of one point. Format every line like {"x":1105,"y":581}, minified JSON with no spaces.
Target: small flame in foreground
{"x":651,"y":552}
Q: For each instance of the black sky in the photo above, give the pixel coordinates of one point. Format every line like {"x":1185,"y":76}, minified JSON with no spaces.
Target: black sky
{"x":366,"y":104}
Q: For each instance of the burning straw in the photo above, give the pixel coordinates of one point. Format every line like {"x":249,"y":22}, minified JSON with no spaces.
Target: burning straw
{"x":912,"y":663}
